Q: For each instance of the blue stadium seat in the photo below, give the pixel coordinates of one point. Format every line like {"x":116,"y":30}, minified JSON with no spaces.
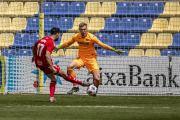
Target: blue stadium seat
{"x":24,"y":52}
{"x":33,"y":38}
{"x":169,"y":52}
{"x":116,"y":39}
{"x":179,"y":53}
{"x":112,"y":24}
{"x":127,"y":24}
{"x":76,"y":9}
{"x":22,"y":40}
{"x":48,"y":8}
{"x":9,"y":52}
{"x":131,"y":40}
{"x":143,"y":24}
{"x":176,"y":42}
{"x":123,"y":8}
{"x":138,"y":10}
{"x":65,"y":23}
{"x":60,"y":9}
{"x":49,"y":23}
{"x":103,"y":37}
{"x":104,"y":52}
{"x":56,"y":42}
{"x":154,"y":9}
{"x":124,"y":54}
{"x":32,"y":25}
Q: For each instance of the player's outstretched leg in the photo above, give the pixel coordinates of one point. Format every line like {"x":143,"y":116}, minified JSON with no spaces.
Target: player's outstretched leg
{"x":97,"y":79}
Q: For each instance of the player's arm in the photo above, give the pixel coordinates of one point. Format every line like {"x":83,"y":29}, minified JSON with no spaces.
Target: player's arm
{"x":64,"y":45}
{"x":48,"y":59}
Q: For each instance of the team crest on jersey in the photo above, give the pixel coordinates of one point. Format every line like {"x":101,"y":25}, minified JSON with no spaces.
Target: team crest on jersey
{"x":87,"y":40}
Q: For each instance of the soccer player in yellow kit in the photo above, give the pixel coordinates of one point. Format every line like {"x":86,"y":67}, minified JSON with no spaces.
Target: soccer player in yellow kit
{"x":87,"y":54}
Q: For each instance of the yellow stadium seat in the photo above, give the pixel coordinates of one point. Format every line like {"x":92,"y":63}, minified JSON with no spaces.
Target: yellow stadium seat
{"x":92,"y":8}
{"x":59,"y":53}
{"x":17,"y":25}
{"x":152,"y":52}
{"x":71,"y":52}
{"x":3,"y":8}
{"x":15,"y":8}
{"x":96,"y":24}
{"x":158,"y":25}
{"x":30,"y":8}
{"x":77,"y":21}
{"x":136,"y":52}
{"x":66,"y":37}
{"x":163,"y":40}
{"x":174,"y":25}
{"x":170,"y":9}
{"x":5,"y":24}
{"x":107,"y":9}
{"x":147,"y":40}
{"x":6,"y":39}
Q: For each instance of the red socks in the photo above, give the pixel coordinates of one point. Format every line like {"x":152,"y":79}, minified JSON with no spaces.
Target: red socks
{"x":52,"y":88}
{"x":72,"y":79}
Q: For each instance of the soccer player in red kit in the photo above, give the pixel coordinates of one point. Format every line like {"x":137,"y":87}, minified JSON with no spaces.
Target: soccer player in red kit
{"x":42,"y":50}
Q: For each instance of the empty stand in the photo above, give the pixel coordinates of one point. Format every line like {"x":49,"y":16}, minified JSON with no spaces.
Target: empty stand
{"x":15,"y":8}
{"x":169,"y":52}
{"x":116,"y":39}
{"x":48,"y":8}
{"x":176,"y":42}
{"x":152,"y":52}
{"x":65,"y":23}
{"x":174,"y":25}
{"x":147,"y":41}
{"x":59,"y":53}
{"x":68,"y":36}
{"x":5,"y":24}
{"x":77,"y":21}
{"x":127,"y":24}
{"x":136,"y":52}
{"x":49,"y":23}
{"x":9,"y":52}
{"x":32,"y":25}
{"x":33,"y":38}
{"x":92,"y":9}
{"x":96,"y":24}
{"x":24,"y":52}
{"x":158,"y":25}
{"x":104,"y":52}
{"x":3,"y":8}
{"x":71,"y":52}
{"x":6,"y":39}
{"x":154,"y":9}
{"x":103,"y":37}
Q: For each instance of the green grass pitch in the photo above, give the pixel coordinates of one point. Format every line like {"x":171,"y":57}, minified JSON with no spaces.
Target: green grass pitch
{"x":83,"y":107}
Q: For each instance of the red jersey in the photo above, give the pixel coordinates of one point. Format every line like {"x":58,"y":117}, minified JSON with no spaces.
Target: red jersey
{"x":43,"y":45}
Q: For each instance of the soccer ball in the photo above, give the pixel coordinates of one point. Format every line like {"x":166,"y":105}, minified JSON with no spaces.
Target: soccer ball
{"x":91,"y":90}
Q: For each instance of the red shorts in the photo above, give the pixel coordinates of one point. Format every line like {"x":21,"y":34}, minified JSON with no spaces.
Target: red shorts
{"x":48,"y":70}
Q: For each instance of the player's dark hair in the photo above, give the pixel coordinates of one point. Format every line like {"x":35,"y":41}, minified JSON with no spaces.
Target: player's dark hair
{"x":55,"y":30}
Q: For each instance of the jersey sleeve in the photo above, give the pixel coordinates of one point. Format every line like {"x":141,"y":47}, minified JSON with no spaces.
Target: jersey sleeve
{"x":68,"y":43}
{"x":50,"y":47}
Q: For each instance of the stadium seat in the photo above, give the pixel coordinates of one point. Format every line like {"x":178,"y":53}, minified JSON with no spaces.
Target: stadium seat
{"x":158,"y":25}
{"x":96,"y":24}
{"x":169,"y":52}
{"x":6,"y":39}
{"x":92,"y":8}
{"x":49,"y":23}
{"x":60,"y":9}
{"x":152,"y":52}
{"x":17,"y":25}
{"x":30,"y":8}
{"x":59,"y":53}
{"x":154,"y":9}
{"x":77,"y":21}
{"x":124,"y":54}
{"x":176,"y":42}
{"x":22,"y":40}
{"x":143,"y":24}
{"x":76,"y":9}
{"x":127,"y":24}
{"x":103,"y":37}
{"x":9,"y":52}
{"x":48,"y":8}
{"x":163,"y":41}
{"x":56,"y":42}
{"x":24,"y":52}
{"x":131,"y":40}
{"x":104,"y":52}
{"x":5,"y":24}
{"x":139,"y":9}
{"x":32,"y":25}
{"x":136,"y":52}
{"x":15,"y":8}
{"x":174,"y":25}
{"x":33,"y":38}
{"x":116,"y":39}
{"x":3,"y":8}
{"x":123,"y":8}
{"x":66,"y":37}
{"x":112,"y":24}
{"x":65,"y":23}
{"x":147,"y":41}
{"x":71,"y":52}
{"x":107,"y":9}
{"x":170,"y":9}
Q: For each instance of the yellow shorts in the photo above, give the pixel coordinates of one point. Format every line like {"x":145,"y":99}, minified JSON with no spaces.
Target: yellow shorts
{"x":90,"y":63}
